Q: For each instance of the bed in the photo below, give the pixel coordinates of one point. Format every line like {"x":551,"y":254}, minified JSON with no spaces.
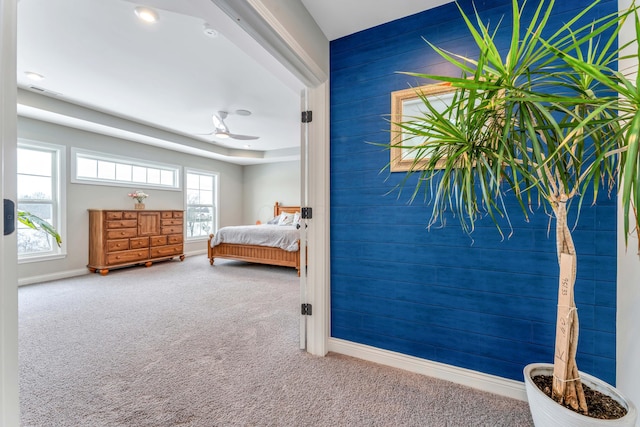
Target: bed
{"x":258,"y":253}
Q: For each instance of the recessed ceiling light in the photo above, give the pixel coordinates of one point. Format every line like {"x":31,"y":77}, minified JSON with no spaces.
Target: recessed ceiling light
{"x":247,"y":146}
{"x":209,"y":31}
{"x":146,"y":14}
{"x":34,"y":76}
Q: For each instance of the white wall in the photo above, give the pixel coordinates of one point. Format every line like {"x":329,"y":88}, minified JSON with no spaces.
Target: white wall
{"x":628,"y":316}
{"x":81,"y":197}
{"x":628,"y":319}
{"x":269,"y":183}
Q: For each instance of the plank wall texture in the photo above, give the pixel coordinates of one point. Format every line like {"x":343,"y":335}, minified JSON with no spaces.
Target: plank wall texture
{"x":477,"y":302}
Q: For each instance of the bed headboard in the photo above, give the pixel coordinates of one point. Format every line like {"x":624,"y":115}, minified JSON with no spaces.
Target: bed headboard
{"x":278,"y":209}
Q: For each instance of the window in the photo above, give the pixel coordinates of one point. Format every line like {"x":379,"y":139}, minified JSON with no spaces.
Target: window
{"x":40,"y":192}
{"x":201,"y":198}
{"x":108,"y":169}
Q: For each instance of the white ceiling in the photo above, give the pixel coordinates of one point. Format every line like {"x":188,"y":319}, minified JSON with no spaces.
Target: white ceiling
{"x":160,"y":83}
{"x":338,"y":18}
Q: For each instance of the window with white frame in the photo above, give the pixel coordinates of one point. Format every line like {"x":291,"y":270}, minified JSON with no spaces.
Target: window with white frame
{"x":201,"y":192}
{"x":108,"y":169}
{"x":41,"y":193}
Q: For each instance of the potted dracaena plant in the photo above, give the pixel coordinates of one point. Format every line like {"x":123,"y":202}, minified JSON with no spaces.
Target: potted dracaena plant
{"x":544,"y":124}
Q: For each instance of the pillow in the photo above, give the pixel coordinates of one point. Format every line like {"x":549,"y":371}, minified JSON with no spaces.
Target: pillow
{"x":296,"y":218}
{"x":286,"y":218}
{"x":274,"y":220}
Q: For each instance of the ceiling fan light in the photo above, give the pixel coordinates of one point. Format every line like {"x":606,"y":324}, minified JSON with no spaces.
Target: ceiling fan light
{"x":222,"y":135}
{"x":146,"y":14}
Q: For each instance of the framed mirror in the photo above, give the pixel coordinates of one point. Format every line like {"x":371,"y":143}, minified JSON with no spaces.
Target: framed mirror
{"x":406,"y":104}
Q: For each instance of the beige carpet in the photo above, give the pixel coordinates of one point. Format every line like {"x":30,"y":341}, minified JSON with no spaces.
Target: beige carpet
{"x":187,"y":344}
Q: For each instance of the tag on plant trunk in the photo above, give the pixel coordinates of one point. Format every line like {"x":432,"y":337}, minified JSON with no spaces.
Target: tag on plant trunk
{"x":563,"y":322}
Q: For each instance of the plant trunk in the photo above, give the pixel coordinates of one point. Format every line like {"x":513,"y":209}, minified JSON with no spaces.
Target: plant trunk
{"x":567,"y":387}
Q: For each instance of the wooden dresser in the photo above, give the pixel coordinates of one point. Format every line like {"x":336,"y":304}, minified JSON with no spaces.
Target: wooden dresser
{"x":120,"y":238}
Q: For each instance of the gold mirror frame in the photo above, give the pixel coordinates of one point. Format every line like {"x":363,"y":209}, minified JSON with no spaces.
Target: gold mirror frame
{"x":403,"y":107}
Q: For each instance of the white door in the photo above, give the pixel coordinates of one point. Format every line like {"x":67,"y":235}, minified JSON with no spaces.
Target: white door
{"x":9,"y":408}
{"x":304,"y":202}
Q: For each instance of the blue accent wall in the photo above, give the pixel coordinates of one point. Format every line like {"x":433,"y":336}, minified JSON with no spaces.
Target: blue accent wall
{"x":476,"y":302}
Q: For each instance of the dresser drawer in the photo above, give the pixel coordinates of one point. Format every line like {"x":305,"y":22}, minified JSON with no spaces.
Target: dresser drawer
{"x":140,"y":242}
{"x":161,"y":251}
{"x":127,"y":256}
{"x":172,"y":214}
{"x":122,"y":233}
{"x":125,"y":223}
{"x":172,"y":221}
{"x":113,"y":215}
{"x":117,"y":245}
{"x":174,"y":238}
{"x":158,"y":240}
{"x":173,"y":229}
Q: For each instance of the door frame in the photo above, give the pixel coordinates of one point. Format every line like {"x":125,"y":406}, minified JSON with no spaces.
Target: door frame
{"x":304,"y":222}
{"x":315,"y":186}
{"x":318,"y":279}
{"x":287,"y":31}
{"x":9,"y":393}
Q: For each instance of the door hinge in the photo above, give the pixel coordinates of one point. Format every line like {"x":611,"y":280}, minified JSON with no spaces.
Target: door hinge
{"x":307,"y":116}
{"x":306,"y":213}
{"x":306,"y":309}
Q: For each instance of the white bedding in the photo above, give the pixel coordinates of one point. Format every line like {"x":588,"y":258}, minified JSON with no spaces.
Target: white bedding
{"x":278,"y":236}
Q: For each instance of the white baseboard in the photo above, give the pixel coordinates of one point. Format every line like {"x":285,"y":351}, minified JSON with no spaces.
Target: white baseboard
{"x":51,"y":276}
{"x":466,"y":377}
{"x":73,"y":273}
{"x":196,"y":252}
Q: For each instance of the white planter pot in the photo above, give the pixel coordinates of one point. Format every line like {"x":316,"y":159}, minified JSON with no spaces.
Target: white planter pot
{"x":547,"y":413}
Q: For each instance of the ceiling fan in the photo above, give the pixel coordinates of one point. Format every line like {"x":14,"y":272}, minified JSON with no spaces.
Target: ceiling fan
{"x":222,"y":131}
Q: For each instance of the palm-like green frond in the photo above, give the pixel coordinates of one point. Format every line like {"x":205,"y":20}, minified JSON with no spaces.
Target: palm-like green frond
{"x":37,"y":223}
{"x":528,"y":124}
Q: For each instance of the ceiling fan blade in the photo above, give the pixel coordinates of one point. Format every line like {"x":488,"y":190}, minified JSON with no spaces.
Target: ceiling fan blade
{"x":242,"y":137}
{"x":222,"y":131}
{"x":218,"y":122}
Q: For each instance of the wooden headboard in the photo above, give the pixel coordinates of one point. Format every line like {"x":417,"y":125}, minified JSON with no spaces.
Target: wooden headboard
{"x":278,"y":209}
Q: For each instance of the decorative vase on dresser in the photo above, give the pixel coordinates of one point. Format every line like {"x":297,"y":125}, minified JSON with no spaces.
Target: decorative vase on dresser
{"x":121,"y":238}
